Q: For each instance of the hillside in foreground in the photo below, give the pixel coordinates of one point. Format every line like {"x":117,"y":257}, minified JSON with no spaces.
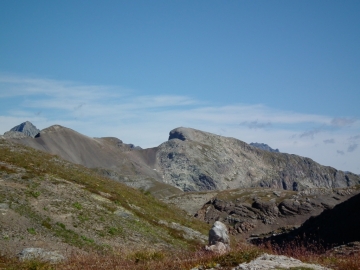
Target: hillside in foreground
{"x":50,"y":203}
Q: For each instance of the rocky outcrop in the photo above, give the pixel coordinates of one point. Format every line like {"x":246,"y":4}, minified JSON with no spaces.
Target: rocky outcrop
{"x":260,"y":212}
{"x":26,"y":128}
{"x":264,"y":146}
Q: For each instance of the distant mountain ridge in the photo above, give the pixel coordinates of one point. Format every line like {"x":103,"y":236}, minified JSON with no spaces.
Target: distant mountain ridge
{"x":191,"y":160}
{"x":265,"y":147}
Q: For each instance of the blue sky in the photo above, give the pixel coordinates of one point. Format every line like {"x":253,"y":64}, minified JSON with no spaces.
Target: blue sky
{"x":286,"y":73}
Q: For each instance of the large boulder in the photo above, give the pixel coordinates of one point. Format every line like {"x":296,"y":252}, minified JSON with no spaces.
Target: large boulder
{"x":219,"y":240}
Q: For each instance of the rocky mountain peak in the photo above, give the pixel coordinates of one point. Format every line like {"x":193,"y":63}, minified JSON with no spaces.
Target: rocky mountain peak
{"x":26,"y":128}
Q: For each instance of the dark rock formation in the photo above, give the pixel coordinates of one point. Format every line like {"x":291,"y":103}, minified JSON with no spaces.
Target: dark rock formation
{"x":333,"y":227}
{"x":265,"y":147}
{"x":264,"y":211}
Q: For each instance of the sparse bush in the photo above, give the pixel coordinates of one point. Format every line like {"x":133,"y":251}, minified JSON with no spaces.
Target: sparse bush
{"x":77,"y":205}
{"x":34,"y":193}
{"x":147,"y":255}
{"x":31,"y":230}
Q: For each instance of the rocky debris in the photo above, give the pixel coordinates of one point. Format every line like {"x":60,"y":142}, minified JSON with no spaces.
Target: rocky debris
{"x":26,"y":128}
{"x":219,"y":240}
{"x":40,"y":254}
{"x":264,"y":212}
{"x":267,"y":261}
{"x":265,"y":147}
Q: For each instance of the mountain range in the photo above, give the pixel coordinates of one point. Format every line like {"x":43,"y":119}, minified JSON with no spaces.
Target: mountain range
{"x":191,"y":160}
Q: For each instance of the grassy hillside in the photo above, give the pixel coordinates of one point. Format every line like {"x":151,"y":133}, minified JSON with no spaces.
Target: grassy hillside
{"x":51,"y":203}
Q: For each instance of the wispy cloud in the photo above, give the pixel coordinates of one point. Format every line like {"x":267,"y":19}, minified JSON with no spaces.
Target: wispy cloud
{"x":310,"y":133}
{"x":342,"y":122}
{"x":97,"y":110}
{"x":352,"y":147}
{"x":354,"y":138}
{"x":256,"y":124}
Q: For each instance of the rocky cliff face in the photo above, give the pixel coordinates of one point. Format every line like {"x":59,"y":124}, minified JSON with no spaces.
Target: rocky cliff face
{"x":193,"y":160}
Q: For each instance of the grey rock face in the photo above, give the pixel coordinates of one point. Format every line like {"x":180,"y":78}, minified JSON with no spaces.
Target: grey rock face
{"x":41,"y":254}
{"x":265,"y":147}
{"x":27,"y":128}
{"x":193,"y":160}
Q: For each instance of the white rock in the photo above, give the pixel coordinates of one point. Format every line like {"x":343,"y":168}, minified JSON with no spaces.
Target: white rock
{"x":219,"y":240}
{"x":266,"y":262}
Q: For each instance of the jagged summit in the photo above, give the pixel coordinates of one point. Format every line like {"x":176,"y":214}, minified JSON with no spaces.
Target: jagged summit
{"x":26,"y":129}
{"x":265,"y":147}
